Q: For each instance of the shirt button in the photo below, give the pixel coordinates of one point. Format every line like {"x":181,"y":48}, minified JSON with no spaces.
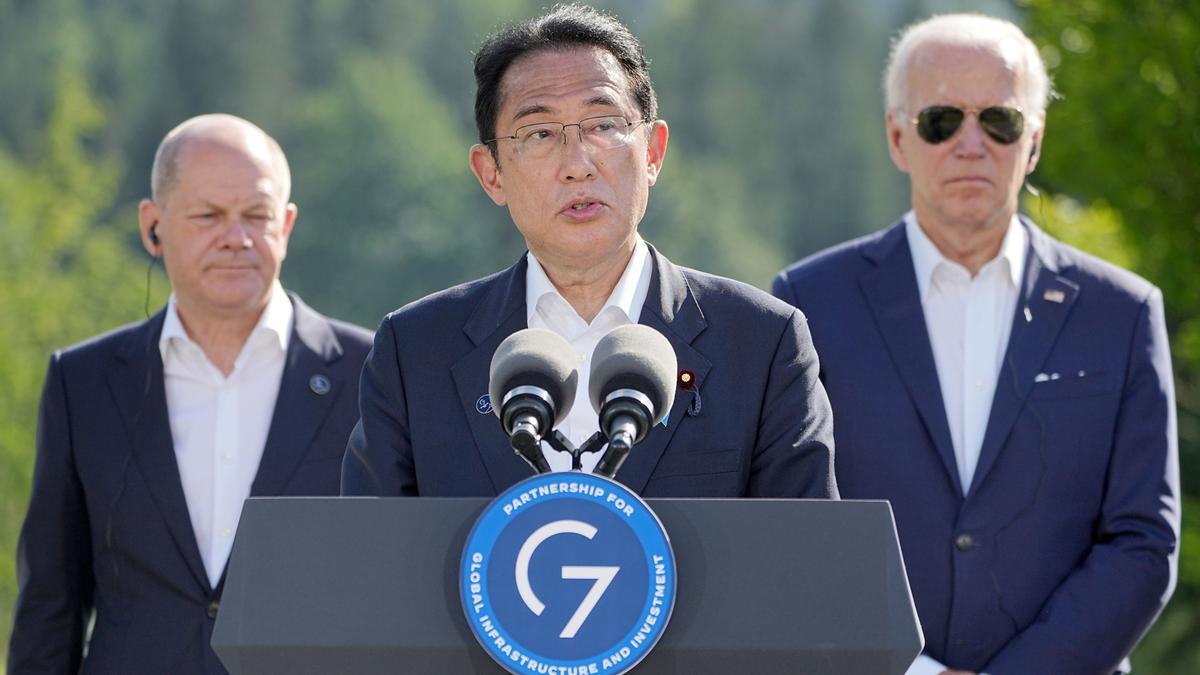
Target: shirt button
{"x":212,"y":609}
{"x":227,"y":531}
{"x":227,"y":459}
{"x":964,"y":542}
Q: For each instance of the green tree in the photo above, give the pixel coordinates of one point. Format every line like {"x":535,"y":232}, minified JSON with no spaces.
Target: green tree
{"x":389,"y":210}
{"x":1124,"y":141}
{"x":63,"y":276}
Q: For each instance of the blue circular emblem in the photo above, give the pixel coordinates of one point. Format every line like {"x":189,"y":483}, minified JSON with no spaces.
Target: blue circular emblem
{"x":319,"y":384}
{"x":567,"y":574}
{"x":483,"y":405}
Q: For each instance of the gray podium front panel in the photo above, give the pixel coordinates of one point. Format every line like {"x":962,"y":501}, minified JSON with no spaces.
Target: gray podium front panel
{"x":369,"y":585}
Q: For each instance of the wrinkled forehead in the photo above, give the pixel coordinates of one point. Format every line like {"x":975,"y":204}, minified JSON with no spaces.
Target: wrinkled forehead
{"x":965,"y":70}
{"x":554,"y":78}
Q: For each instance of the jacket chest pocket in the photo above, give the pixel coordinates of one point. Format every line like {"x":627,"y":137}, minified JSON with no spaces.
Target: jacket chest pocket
{"x":1073,"y":384}
{"x":715,"y":473}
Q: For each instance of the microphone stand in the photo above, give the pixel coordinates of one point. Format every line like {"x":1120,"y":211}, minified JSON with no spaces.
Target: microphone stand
{"x":593,"y":444}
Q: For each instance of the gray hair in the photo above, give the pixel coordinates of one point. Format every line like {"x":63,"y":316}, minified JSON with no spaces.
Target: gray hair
{"x":164,"y":174}
{"x":977,"y":29}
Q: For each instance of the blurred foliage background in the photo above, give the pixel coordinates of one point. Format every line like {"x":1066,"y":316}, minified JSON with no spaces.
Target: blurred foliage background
{"x":777,"y":149}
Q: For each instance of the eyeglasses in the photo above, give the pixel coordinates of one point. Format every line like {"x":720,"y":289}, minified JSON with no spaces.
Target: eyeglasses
{"x":606,"y":132}
{"x":938,"y":123}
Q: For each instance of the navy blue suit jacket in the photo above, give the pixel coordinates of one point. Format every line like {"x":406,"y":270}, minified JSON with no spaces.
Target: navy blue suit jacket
{"x":759,"y":423}
{"x":108,"y":527}
{"x":1064,"y":549}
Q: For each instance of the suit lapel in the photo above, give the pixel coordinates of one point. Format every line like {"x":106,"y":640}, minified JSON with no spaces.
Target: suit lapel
{"x":500,"y":314}
{"x":1045,"y":302}
{"x":893,"y":296}
{"x":136,"y":384}
{"x":307,"y":390}
{"x":671,"y":309}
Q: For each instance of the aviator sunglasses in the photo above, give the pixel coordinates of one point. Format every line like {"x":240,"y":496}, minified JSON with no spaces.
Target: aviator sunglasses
{"x":938,"y":123}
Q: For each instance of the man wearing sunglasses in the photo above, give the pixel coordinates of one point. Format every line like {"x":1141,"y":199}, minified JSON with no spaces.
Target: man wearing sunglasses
{"x":571,"y":143}
{"x":1009,"y":395}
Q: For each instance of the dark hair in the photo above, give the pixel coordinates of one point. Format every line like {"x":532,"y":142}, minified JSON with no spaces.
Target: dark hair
{"x":563,"y":27}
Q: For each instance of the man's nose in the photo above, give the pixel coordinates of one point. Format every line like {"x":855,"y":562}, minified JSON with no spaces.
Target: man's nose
{"x":236,"y":234}
{"x":577,"y":161}
{"x":577,"y":134}
{"x":970,"y":140}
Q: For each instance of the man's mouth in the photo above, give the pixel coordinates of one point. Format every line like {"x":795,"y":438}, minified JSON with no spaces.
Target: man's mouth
{"x":582,"y":209}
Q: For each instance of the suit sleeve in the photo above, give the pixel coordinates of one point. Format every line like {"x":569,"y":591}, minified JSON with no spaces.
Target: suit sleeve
{"x":794,"y":453}
{"x":378,"y":458}
{"x":781,"y":289}
{"x":54,"y":552}
{"x":1098,"y":613}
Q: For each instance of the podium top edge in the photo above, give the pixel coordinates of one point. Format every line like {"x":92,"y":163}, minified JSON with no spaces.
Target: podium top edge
{"x":760,"y":500}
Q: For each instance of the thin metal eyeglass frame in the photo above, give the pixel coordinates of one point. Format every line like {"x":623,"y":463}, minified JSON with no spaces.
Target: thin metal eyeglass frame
{"x":516,"y":135}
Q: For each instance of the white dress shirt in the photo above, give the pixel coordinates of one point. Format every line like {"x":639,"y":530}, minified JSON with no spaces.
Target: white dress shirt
{"x":219,"y":424}
{"x":546,"y":308}
{"x":969,"y":320}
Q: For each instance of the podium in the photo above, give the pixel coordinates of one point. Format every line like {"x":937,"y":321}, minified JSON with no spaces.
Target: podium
{"x":370,"y":585}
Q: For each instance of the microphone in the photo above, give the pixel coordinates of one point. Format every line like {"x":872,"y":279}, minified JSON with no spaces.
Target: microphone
{"x":631,"y":387}
{"x":531,"y":384}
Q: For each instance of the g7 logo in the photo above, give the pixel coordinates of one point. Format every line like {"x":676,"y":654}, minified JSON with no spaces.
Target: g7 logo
{"x":602,"y":574}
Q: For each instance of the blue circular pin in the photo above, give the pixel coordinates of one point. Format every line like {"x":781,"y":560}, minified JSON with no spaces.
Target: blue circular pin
{"x":567,"y":572}
{"x":319,"y":384}
{"x":484,"y":405}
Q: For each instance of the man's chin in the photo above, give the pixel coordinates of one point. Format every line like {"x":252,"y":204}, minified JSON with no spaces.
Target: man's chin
{"x":974,"y":215}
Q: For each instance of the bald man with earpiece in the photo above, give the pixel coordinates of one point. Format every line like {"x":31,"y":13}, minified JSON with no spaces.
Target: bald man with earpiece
{"x":150,"y":437}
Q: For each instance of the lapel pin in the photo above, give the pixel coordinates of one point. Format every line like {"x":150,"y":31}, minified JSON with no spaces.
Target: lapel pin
{"x":1028,"y":314}
{"x":1054,"y":295}
{"x":484,"y":405}
{"x":687,"y":379}
{"x":319,"y":384}
{"x":687,"y":382}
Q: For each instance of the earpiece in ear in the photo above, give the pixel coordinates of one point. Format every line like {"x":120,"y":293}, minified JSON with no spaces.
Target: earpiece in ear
{"x":154,"y":234}
{"x":1033,"y":151}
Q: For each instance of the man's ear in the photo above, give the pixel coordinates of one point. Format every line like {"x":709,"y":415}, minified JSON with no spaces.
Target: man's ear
{"x":289,"y":218}
{"x":1035,"y":150}
{"x":656,"y":150}
{"x":895,"y":131}
{"x":149,"y":215}
{"x":487,"y":172}
{"x":289,"y":221}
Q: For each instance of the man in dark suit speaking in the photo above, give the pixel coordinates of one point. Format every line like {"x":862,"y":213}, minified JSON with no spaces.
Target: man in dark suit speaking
{"x":1010,"y":395}
{"x":570,"y":142}
{"x":152,"y":436}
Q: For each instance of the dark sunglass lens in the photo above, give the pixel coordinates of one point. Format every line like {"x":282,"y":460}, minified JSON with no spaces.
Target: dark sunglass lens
{"x":1004,"y":125}
{"x":938,"y":123}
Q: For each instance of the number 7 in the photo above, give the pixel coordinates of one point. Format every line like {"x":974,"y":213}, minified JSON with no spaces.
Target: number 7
{"x":603,"y":576}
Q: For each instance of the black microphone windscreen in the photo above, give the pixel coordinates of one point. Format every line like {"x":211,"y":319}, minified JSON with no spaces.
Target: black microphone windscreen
{"x":539,"y":358}
{"x":634,"y":357}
